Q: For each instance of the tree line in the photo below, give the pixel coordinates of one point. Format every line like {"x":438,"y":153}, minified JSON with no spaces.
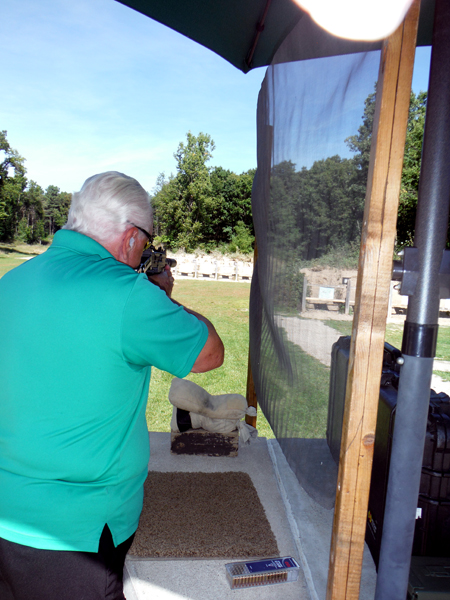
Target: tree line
{"x":27,"y":212}
{"x":315,"y":215}
{"x":316,"y":211}
{"x":198,"y":207}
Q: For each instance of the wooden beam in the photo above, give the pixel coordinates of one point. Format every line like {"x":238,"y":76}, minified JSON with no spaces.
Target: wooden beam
{"x":251,"y":392}
{"x":371,"y":306}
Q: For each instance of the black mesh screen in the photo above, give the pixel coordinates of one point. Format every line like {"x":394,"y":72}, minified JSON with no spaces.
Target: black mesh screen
{"x":314,"y":133}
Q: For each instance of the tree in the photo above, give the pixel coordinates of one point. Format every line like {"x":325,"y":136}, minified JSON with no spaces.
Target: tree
{"x":241,"y":239}
{"x":194,"y":188}
{"x":232,"y":196}
{"x":411,"y":169}
{"x":314,"y":210}
{"x":166,"y":206}
{"x":56,"y":208}
{"x":200,"y":206}
{"x":25,"y":210}
{"x":31,"y":226}
{"x":285,"y":210}
{"x":12,"y":185}
{"x":360,"y":144}
{"x":333,"y":204}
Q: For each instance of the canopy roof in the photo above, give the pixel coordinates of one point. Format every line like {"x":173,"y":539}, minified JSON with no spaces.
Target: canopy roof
{"x":247,"y":33}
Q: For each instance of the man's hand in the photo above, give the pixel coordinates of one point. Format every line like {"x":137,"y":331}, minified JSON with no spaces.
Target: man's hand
{"x":164,"y":280}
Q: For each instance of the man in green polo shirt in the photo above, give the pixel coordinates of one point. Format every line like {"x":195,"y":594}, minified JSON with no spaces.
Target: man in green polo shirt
{"x":79,"y":332}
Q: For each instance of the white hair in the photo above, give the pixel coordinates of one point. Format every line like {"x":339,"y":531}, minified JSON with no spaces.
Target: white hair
{"x":106,"y":204}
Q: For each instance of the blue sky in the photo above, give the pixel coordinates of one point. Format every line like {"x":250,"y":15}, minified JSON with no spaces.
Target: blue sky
{"x":90,"y":86}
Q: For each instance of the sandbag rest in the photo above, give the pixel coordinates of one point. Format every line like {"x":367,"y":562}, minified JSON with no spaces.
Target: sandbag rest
{"x":206,"y":424}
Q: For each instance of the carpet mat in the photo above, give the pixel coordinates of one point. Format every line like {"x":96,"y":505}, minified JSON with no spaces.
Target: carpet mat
{"x":202,"y":515}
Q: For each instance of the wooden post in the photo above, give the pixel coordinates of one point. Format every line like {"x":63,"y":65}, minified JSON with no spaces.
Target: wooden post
{"x":371,"y":304}
{"x":347,"y":296}
{"x":304,"y":292}
{"x":251,"y":392}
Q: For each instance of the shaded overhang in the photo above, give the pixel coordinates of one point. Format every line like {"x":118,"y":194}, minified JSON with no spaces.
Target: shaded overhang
{"x":247,"y":33}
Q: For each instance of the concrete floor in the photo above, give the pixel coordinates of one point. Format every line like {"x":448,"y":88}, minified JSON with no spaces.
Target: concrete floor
{"x":301,"y":526}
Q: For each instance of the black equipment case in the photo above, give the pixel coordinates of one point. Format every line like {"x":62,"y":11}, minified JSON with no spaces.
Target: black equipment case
{"x":432,"y":534}
{"x":429,"y":578}
{"x":340,"y":353}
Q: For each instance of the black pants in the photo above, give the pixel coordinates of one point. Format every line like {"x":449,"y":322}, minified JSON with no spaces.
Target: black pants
{"x":32,"y":574}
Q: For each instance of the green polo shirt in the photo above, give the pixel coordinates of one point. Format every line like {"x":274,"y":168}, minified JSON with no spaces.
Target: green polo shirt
{"x":79,"y":332}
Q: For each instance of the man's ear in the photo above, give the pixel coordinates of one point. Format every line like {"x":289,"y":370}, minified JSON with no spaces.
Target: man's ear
{"x":126,"y":244}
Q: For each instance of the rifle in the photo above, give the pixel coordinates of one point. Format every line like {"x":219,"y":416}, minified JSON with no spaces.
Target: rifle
{"x":153,"y":261}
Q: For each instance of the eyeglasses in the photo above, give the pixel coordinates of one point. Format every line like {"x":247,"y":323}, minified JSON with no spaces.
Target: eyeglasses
{"x":150,"y":239}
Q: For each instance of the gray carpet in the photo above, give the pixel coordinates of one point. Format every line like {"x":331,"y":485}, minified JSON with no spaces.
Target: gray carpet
{"x":202,"y":515}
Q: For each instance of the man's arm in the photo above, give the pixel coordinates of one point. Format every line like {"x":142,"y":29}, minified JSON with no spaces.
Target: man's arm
{"x":212,"y":355}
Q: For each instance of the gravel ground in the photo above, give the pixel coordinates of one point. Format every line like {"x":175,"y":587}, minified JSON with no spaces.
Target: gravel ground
{"x":316,"y":338}
{"x":312,"y":335}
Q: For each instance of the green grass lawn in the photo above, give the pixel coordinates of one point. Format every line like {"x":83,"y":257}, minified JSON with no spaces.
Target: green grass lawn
{"x":444,"y":375}
{"x":10,"y":260}
{"x":298,"y":395}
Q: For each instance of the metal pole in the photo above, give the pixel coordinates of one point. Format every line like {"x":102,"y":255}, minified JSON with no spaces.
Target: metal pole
{"x":420,"y":332}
